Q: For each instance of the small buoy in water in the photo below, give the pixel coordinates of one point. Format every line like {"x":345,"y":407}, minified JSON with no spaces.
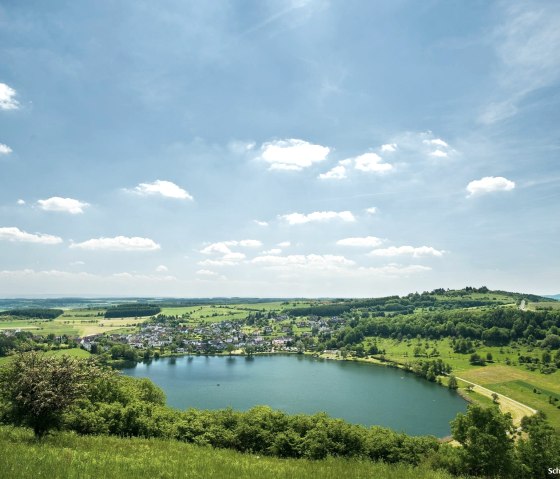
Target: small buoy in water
{"x":217,"y":384}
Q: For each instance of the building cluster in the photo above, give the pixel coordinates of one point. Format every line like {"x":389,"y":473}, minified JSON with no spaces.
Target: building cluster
{"x":223,"y":336}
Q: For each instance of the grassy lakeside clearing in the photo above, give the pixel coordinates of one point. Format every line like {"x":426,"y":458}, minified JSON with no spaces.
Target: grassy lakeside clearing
{"x":67,"y":455}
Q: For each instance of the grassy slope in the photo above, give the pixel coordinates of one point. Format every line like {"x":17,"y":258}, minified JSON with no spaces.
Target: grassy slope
{"x":67,"y":455}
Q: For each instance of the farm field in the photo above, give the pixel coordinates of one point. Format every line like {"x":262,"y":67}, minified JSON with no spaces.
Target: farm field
{"x":78,"y":322}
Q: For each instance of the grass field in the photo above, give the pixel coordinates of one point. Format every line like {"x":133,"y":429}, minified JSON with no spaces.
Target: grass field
{"x":78,"y":322}
{"x":66,"y":455}
{"x":544,"y":306}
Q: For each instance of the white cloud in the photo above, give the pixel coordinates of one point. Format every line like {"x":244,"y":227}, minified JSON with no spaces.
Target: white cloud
{"x":118,"y":243}
{"x":271,"y":251}
{"x":15,"y":234}
{"x":261,"y":223}
{"x":228,"y":257}
{"x":5,"y":149}
{"x":216,"y":248}
{"x":389,"y":147}
{"x":77,"y":263}
{"x":292,"y":154}
{"x":367,"y":241}
{"x":372,"y":210}
{"x":439,"y":154}
{"x":311,"y":261}
{"x":416,"y":252}
{"x":164,"y":188}
{"x":299,"y":218}
{"x":162,"y":269}
{"x":436,"y":142}
{"x":20,"y":202}
{"x":371,"y":162}
{"x":66,"y":205}
{"x":336,"y":173}
{"x":223,"y":247}
{"x":284,"y":244}
{"x":7,"y":98}
{"x":489,"y":184}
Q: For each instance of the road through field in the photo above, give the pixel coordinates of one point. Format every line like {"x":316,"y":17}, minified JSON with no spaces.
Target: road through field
{"x":515,"y":408}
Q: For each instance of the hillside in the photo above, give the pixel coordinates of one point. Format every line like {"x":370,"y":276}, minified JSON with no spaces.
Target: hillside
{"x":67,"y":455}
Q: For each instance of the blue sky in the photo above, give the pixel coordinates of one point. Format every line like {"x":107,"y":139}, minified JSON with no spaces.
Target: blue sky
{"x":278,"y":148}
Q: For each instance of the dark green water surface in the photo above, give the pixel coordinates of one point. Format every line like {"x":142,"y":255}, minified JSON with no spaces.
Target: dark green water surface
{"x":357,"y":392}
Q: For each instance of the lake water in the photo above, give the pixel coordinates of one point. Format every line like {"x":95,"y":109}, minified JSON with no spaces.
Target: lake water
{"x":357,"y":392}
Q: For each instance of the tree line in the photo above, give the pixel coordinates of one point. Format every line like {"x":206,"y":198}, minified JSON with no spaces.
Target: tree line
{"x":131,"y":310}
{"x":38,"y":313}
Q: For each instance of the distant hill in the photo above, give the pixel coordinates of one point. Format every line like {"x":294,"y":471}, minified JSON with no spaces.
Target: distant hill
{"x":553,"y":296}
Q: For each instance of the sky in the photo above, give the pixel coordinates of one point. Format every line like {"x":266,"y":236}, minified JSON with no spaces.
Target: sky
{"x":278,"y":148}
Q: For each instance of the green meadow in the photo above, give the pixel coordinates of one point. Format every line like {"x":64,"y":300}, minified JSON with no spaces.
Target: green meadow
{"x":68,"y":455}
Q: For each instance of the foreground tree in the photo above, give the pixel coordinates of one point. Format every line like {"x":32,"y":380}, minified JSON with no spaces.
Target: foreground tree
{"x":539,"y":449}
{"x":487,"y":437}
{"x":37,"y":389}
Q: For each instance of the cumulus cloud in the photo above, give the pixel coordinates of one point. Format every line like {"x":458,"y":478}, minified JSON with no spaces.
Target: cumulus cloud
{"x":292,"y":154}
{"x":20,"y":202}
{"x":65,"y":205}
{"x":310,"y":261}
{"x":489,"y":184}
{"x":416,"y":252}
{"x":284,"y":244}
{"x":261,"y":223}
{"x":389,"y":147}
{"x":372,"y":210}
{"x":371,"y":162}
{"x":336,"y":173}
{"x":5,"y":149}
{"x":439,"y":154}
{"x":118,"y":243}
{"x":14,"y":234}
{"x":162,"y":269}
{"x":366,"y":241}
{"x":163,"y":188}
{"x":271,"y":251}
{"x":223,"y":247}
{"x":425,"y":143}
{"x":227,"y":256}
{"x":8,"y":98}
{"x":436,"y":142}
{"x":317,"y":216}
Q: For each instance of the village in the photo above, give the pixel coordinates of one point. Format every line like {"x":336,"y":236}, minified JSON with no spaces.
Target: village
{"x":165,"y":336}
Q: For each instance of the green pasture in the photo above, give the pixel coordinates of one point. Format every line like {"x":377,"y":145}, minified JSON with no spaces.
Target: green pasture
{"x":69,"y":456}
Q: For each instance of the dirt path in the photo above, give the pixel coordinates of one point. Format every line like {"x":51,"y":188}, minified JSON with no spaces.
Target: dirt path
{"x":515,"y":408}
